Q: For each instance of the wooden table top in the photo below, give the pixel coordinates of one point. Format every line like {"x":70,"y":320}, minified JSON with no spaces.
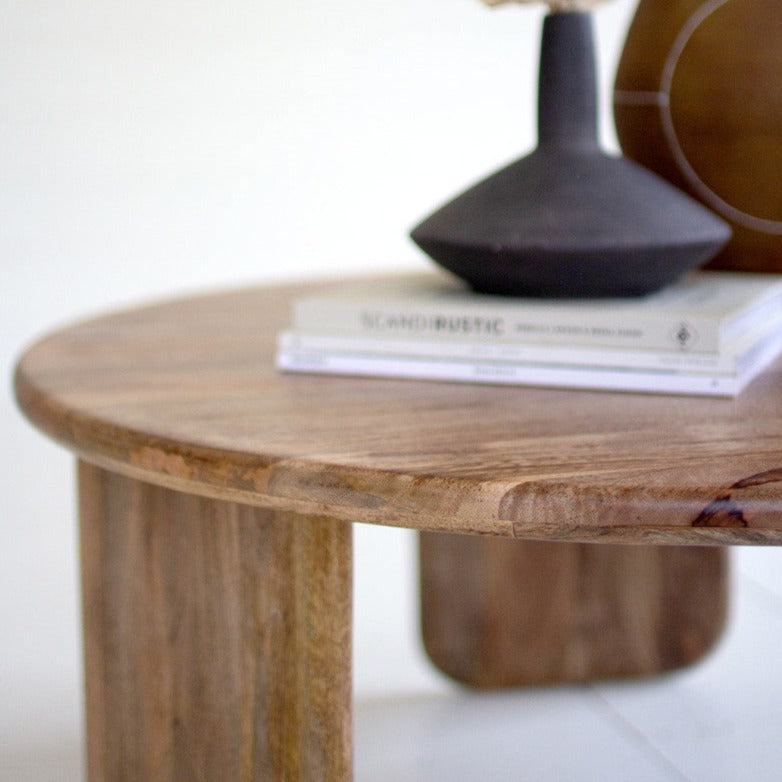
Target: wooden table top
{"x":184,"y":394}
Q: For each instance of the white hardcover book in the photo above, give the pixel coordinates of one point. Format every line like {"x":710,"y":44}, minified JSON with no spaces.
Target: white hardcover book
{"x":738,"y":356}
{"x":504,"y":373}
{"x":702,"y":312}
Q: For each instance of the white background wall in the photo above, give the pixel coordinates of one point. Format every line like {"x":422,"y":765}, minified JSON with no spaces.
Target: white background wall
{"x":155,"y":148}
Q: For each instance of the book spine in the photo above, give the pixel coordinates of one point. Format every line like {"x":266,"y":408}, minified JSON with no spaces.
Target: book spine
{"x":503,"y":324}
{"x":485,"y":349}
{"x":496,"y":373}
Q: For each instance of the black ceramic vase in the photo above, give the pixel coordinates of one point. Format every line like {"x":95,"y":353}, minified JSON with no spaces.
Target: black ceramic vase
{"x":569,"y":220}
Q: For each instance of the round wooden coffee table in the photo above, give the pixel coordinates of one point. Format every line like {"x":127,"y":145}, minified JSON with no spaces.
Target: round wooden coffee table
{"x":217,"y":497}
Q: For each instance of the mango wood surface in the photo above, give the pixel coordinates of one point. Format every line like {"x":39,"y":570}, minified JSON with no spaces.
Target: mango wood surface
{"x":185,"y":395}
{"x":216,"y":555}
{"x":217,"y":638}
{"x":538,"y":612}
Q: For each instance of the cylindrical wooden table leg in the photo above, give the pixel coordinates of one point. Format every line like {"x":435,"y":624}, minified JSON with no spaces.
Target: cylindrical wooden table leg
{"x":503,"y":613}
{"x":217,"y":638}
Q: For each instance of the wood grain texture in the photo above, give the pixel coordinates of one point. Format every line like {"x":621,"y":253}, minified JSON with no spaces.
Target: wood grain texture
{"x":217,"y":638}
{"x":698,"y":99}
{"x":184,"y":394}
{"x":506,"y":613}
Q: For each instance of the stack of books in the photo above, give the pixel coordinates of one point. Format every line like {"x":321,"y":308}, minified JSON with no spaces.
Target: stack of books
{"x":710,"y":334}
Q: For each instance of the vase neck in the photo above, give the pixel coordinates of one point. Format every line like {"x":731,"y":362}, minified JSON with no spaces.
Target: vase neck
{"x":567,"y":100}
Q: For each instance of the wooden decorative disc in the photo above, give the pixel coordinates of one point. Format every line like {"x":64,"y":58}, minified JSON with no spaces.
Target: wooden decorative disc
{"x":698,"y":99}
